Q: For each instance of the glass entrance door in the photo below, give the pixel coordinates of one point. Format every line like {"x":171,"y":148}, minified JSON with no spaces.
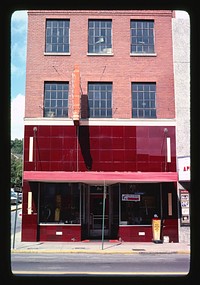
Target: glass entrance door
{"x":96,"y":214}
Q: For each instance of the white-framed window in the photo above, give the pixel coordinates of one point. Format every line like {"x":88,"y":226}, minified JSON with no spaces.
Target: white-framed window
{"x":143,"y":100}
{"x":57,"y":36}
{"x":142,"y":36}
{"x":100,"y":99}
{"x":100,"y":36}
{"x":56,"y":99}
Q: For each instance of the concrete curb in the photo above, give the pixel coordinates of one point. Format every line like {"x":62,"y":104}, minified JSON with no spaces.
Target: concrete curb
{"x":97,"y":251}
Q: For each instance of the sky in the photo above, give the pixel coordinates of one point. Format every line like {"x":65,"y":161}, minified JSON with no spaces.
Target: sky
{"x":18,"y":70}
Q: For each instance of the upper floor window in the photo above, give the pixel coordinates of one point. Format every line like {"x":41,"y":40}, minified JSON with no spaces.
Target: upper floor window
{"x":56,"y":99}
{"x":143,"y":100}
{"x":100,"y":36}
{"x":142,"y":36}
{"x":100,"y":100}
{"x":57,"y":36}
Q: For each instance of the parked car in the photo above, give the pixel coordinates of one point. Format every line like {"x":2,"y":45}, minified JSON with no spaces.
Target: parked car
{"x":13,"y":198}
{"x":19,"y":197}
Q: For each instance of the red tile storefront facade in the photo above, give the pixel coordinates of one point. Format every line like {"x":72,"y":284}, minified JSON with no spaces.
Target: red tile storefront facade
{"x":70,"y":209}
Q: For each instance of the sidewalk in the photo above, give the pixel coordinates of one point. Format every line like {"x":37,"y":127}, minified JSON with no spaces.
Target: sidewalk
{"x":107,"y":247}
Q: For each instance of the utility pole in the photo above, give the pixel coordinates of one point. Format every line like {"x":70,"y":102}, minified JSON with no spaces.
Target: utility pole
{"x":16,"y":212}
{"x":103,"y":215}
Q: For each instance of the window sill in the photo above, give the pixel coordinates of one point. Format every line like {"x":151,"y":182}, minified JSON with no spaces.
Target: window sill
{"x":143,"y":54}
{"x":100,"y":54}
{"x":57,"y":53}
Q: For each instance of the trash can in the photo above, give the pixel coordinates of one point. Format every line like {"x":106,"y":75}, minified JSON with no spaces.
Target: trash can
{"x":156,"y":229}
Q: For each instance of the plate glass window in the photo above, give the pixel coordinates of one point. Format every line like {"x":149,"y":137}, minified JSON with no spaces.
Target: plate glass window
{"x":59,"y":203}
{"x":100,"y":36}
{"x":139,"y":203}
{"x":57,"y":36}
{"x":142,"y":36}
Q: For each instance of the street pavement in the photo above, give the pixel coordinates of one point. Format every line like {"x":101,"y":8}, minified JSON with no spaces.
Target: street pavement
{"x":97,"y":246}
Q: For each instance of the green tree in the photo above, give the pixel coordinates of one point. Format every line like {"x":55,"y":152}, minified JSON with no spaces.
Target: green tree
{"x":16,"y":162}
{"x":17,"y":146}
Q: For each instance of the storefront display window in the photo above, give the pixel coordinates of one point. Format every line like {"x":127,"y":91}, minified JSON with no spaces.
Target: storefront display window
{"x":59,"y":203}
{"x":139,"y":203}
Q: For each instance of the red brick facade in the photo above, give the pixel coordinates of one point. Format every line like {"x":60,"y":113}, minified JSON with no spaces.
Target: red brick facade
{"x":120,"y":68}
{"x":112,"y":145}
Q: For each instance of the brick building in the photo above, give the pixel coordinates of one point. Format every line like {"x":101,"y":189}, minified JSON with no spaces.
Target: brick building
{"x":100,"y":126}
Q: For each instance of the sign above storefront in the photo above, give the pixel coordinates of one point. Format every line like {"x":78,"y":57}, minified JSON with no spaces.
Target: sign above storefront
{"x":184,"y":168}
{"x":131,"y":197}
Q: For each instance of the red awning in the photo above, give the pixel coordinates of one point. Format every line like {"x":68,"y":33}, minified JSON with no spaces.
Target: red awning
{"x":95,"y":178}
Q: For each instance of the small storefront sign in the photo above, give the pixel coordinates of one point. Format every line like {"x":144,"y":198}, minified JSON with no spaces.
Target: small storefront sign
{"x":131,"y":197}
{"x":156,"y":229}
{"x":185,"y":207}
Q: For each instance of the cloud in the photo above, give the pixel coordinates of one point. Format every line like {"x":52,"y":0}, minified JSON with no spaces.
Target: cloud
{"x":19,"y":15}
{"x":17,"y":117}
{"x":19,"y":22}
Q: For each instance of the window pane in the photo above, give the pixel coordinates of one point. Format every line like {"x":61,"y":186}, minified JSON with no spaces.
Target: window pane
{"x":100,"y":99}
{"x":143,"y":102}
{"x":99,"y":36}
{"x":57,"y":32}
{"x":59,"y":203}
{"x":142,"y":36}
{"x":57,"y":98}
{"x":142,"y":211}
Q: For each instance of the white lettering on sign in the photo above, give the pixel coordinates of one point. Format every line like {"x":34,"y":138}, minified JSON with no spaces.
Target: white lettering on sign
{"x":131,"y":197}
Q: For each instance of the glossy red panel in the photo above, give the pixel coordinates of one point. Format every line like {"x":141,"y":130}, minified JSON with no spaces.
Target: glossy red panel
{"x":143,"y":147}
{"x":118,"y":143}
{"x":60,"y":233}
{"x":130,"y":166}
{"x":44,"y":132}
{"x":129,"y":155}
{"x":129,"y":132}
{"x":105,"y":143}
{"x":170,"y":229}
{"x":57,"y":131}
{"x":118,"y":155}
{"x":118,"y":132}
{"x":105,"y":155}
{"x":135,"y":233}
{"x":94,"y":132}
{"x":44,"y":166}
{"x":129,"y":143}
{"x":43,"y":142}
{"x":29,"y":227}
{"x":94,"y":143}
{"x":105,"y":131}
{"x":142,"y":157}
